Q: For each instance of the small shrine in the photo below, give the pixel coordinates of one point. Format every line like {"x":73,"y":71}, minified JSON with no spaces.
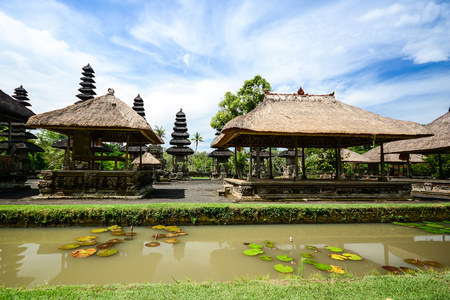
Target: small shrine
{"x":180,"y":150}
{"x":221,"y":156}
{"x":260,"y":156}
{"x":289,"y":156}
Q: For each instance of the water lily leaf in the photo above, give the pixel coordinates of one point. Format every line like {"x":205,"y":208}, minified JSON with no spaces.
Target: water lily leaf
{"x":308,"y":261}
{"x":432,"y":263}
{"x":253,"y":252}
{"x":448,"y":222}
{"x":284,"y":258}
{"x":171,"y":241}
{"x":336,"y":269}
{"x":159,"y":227}
{"x":255,"y":246}
{"x":114,"y":241}
{"x":113,"y":227}
{"x":130,"y":233}
{"x":268,"y":242}
{"x":170,"y":234}
{"x":337,"y":256}
{"x":117,"y":233}
{"x":310,"y":247}
{"x":266,"y":257}
{"x":82,"y":253}
{"x":270,"y":245}
{"x":352,"y":256}
{"x":283,"y":269}
{"x":105,"y":245}
{"x":69,"y":246}
{"x":88,"y":243}
{"x":158,"y":236}
{"x":86,"y":238}
{"x":324,"y":267}
{"x":413,"y":261}
{"x":106,"y":252}
{"x":435,"y":225}
{"x":335,"y":249}
{"x":401,"y":224}
{"x":172,"y":228}
{"x":407,"y":270}
{"x":182,"y":233}
{"x":152,"y":244}
{"x":391,"y":268}
{"x":307,"y":255}
{"x":99,"y":230}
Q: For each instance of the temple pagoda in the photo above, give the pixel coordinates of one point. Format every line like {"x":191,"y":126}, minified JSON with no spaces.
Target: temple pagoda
{"x":180,"y":142}
{"x":87,"y":84}
{"x":221,"y":156}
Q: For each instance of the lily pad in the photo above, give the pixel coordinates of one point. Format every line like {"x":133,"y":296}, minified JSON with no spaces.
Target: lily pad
{"x":336,"y":269}
{"x":255,"y":246}
{"x":265,"y":257}
{"x":88,"y":243}
{"x":152,"y":244}
{"x":307,"y":255}
{"x":407,"y":270}
{"x":391,"y":268}
{"x":182,"y":233}
{"x":86,"y":238}
{"x":284,"y":258}
{"x":270,"y":245}
{"x":69,"y":246}
{"x":337,"y":256}
{"x":352,"y":256}
{"x":105,"y":245}
{"x":335,"y":249}
{"x":308,"y":261}
{"x":99,"y":230}
{"x":171,"y":234}
{"x":158,"y":236}
{"x":82,"y":253}
{"x":432,"y":263}
{"x":324,"y":267}
{"x":114,"y":241}
{"x":283,"y":269}
{"x":159,"y":227}
{"x":310,"y":247}
{"x":435,"y":225}
{"x":106,"y":252}
{"x":172,"y":228}
{"x":171,"y":241}
{"x":268,"y":242}
{"x":413,"y":261}
{"x":113,"y":227}
{"x":253,"y":252}
{"x":130,"y":233}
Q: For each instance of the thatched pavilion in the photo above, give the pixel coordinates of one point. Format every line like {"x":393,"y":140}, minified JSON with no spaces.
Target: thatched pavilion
{"x":315,"y":121}
{"x":90,"y":122}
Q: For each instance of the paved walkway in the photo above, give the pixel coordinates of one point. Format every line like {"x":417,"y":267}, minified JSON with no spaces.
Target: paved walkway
{"x":193,"y":191}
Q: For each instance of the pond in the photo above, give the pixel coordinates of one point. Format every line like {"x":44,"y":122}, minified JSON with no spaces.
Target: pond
{"x":30,"y":257}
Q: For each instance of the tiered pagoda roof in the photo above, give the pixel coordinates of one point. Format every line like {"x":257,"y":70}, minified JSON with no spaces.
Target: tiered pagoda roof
{"x":180,"y":137}
{"x":87,"y":84}
{"x":138,"y":106}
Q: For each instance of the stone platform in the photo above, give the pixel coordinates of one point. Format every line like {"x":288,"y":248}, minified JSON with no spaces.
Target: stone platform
{"x":70,"y":184}
{"x":428,"y":186}
{"x":318,"y":190}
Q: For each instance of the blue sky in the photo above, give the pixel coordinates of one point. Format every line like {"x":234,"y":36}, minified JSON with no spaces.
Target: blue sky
{"x":388,"y":57}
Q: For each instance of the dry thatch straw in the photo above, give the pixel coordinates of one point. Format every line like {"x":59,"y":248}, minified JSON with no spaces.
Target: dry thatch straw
{"x":349,"y":156}
{"x":147,"y":159}
{"x":373,"y":156}
{"x":107,"y":117}
{"x":11,"y":110}
{"x":316,"y":121}
{"x":439,"y":143}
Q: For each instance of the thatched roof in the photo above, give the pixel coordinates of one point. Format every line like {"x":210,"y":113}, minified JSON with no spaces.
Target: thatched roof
{"x":23,"y":145}
{"x":10,"y":109}
{"x":439,"y":143}
{"x":317,"y":121}
{"x":349,"y":156}
{"x":290,"y":153}
{"x":147,"y":159}
{"x":106,"y":116}
{"x":62,"y":144}
{"x":373,"y":156}
{"x":220,"y":153}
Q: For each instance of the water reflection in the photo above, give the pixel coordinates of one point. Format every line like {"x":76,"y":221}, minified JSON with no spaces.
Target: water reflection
{"x":31,"y":257}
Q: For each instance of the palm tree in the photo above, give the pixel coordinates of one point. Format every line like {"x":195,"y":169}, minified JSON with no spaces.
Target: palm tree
{"x":159,"y":130}
{"x":197,"y":139}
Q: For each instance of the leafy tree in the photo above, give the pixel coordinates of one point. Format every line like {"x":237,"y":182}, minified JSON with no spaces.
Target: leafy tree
{"x":52,"y":158}
{"x":244,"y":101}
{"x":159,"y":130}
{"x":197,"y":138}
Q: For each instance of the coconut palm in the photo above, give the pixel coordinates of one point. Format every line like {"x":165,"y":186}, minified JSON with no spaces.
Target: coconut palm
{"x":197,"y":138}
{"x":159,"y":130}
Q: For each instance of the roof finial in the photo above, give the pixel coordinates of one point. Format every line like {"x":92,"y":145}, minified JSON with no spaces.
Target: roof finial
{"x":300,"y":91}
{"x":111,"y":91}
{"x":332,"y":94}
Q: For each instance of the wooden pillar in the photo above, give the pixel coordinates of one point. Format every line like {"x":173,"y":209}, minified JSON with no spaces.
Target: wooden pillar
{"x":303,"y":164}
{"x":383,"y":174}
{"x":140,"y":155}
{"x":270,"y":163}
{"x":126,"y":151}
{"x":67,"y":156}
{"x":9,"y":136}
{"x":408,"y":166}
{"x":250,"y":169}
{"x":338,"y":163}
{"x":441,"y":171}
{"x":235,"y":160}
{"x":295,"y":159}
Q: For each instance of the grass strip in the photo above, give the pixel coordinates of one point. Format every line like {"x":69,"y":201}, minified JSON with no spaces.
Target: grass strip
{"x":423,"y":286}
{"x":217,"y":214}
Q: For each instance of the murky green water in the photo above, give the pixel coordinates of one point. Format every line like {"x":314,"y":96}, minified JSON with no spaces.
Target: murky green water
{"x":30,"y":257}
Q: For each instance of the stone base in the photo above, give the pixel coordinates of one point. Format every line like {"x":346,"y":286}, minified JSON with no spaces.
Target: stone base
{"x":310,"y":190}
{"x":76,"y":184}
{"x":428,"y":186}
